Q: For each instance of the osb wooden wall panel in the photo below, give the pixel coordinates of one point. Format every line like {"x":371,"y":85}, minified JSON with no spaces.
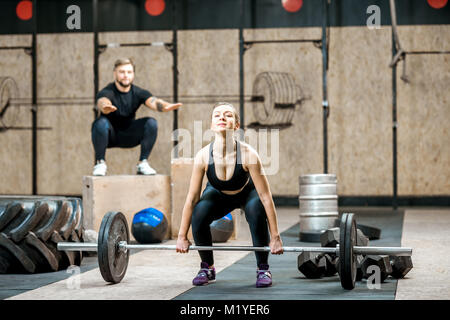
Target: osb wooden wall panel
{"x":424,"y":38}
{"x":208,"y":65}
{"x":65,"y":153}
{"x":299,"y":146}
{"x":15,"y":145}
{"x":424,"y":113}
{"x":65,"y":73}
{"x":154,"y":73}
{"x":360,"y":122}
{"x":359,"y":93}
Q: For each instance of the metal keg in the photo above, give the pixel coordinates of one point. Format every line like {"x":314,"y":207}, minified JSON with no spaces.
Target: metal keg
{"x":318,"y":203}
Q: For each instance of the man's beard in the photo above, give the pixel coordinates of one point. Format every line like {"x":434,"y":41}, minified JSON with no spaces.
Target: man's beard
{"x":125,"y":85}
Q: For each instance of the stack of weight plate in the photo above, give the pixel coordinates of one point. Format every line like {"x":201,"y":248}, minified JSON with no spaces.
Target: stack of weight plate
{"x":31,"y":227}
{"x":318,"y":202}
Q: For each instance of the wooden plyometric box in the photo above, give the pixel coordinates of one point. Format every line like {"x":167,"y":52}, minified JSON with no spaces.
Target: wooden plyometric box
{"x":128,"y":194}
{"x":181,"y":172}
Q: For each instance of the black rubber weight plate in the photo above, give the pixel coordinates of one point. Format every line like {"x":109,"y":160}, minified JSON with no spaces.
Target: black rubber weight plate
{"x":112,"y":262}
{"x":11,"y":210}
{"x":347,"y":261}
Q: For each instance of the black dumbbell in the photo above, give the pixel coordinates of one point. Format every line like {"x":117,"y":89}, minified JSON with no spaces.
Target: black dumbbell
{"x":400,"y":266}
{"x":330,"y":265}
{"x":314,"y":265}
{"x":311,"y":264}
{"x":359,"y":271}
{"x":371,"y":232}
{"x":330,"y":238}
{"x":382,"y":262}
{"x":361,"y":239}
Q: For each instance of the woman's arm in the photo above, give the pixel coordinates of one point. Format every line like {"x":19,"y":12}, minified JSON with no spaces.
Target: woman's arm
{"x":259,"y":178}
{"x":192,"y":198}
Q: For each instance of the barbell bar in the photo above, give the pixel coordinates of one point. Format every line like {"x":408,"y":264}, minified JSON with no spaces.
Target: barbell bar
{"x":113,"y":248}
{"x":123,"y":246}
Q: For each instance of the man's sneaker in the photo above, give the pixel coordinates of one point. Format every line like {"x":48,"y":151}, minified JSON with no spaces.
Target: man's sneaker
{"x":205,"y":275}
{"x":100,"y":168}
{"x":144,"y":168}
{"x":263,"y":276}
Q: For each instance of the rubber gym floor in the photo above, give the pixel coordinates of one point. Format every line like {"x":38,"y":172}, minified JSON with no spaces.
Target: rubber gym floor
{"x":166,"y":275}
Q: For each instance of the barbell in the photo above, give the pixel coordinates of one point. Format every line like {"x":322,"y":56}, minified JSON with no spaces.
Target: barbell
{"x":113,"y":248}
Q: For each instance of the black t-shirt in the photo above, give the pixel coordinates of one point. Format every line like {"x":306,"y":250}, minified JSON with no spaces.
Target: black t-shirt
{"x":127,"y":103}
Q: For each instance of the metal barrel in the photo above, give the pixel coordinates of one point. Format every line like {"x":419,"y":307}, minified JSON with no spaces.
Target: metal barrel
{"x":318,"y":202}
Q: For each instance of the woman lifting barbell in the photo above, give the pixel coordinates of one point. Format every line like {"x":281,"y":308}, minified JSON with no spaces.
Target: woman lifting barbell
{"x":236,"y":179}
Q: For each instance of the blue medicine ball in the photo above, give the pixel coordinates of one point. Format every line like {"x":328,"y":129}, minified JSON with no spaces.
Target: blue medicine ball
{"x":149,"y":226}
{"x":222,"y":229}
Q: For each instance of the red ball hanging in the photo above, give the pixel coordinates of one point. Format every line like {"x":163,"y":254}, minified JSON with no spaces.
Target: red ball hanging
{"x":155,"y":7}
{"x":24,"y":10}
{"x":292,"y":5}
{"x":437,"y":4}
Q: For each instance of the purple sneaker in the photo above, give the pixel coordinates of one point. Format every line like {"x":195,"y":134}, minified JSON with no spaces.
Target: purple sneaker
{"x":263,"y":276}
{"x":205,"y":275}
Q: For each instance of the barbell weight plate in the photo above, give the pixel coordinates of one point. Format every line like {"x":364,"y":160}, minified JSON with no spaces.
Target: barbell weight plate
{"x":9,"y":114}
{"x":347,"y":260}
{"x":262,"y":86}
{"x":113,"y":262}
{"x":280,"y":97}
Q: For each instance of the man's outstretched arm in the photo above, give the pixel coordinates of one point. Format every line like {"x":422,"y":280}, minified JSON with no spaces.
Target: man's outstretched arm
{"x":104,"y":105}
{"x":161,"y":105}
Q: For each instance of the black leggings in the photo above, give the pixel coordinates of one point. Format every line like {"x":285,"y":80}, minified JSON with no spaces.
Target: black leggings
{"x":214,"y":205}
{"x":141,"y":131}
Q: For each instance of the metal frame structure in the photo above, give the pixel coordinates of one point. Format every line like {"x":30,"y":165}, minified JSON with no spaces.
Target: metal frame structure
{"x":319,"y":43}
{"x":170,"y":46}
{"x":398,"y":54}
{"x":32,"y":52}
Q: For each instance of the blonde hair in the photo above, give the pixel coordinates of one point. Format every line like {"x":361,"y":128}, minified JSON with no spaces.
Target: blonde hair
{"x":123,"y":61}
{"x":236,"y":115}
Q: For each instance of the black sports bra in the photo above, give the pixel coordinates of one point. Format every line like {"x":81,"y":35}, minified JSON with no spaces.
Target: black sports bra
{"x":238,"y":179}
